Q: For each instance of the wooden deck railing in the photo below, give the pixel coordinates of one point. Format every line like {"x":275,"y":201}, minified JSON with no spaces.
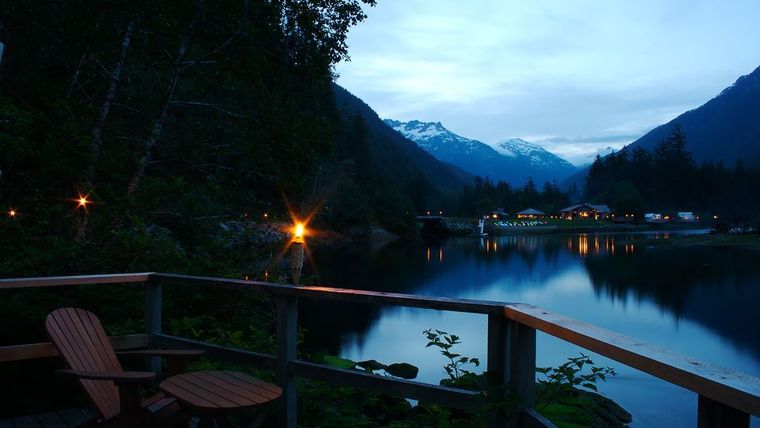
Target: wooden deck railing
{"x":726,"y":398}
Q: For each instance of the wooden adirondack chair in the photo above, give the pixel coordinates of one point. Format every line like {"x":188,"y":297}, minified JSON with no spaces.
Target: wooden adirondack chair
{"x":115,"y":393}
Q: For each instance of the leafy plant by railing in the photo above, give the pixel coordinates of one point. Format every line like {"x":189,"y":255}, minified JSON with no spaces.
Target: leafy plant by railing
{"x":455,"y":368}
{"x":460,"y":369}
{"x":569,"y":376}
{"x":561,"y":396}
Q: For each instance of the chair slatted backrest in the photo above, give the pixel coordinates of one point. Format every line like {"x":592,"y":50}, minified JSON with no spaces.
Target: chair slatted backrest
{"x":83,"y":344}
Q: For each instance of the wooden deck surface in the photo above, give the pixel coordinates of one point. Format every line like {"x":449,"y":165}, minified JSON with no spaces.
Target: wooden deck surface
{"x":69,"y":418}
{"x":59,"y":419}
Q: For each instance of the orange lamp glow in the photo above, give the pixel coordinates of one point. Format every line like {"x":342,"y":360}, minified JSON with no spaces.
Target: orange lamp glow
{"x":12,"y":213}
{"x":82,"y":201}
{"x":299,"y":231}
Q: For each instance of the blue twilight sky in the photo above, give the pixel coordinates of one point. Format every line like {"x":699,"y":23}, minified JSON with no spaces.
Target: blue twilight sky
{"x":572,"y":75}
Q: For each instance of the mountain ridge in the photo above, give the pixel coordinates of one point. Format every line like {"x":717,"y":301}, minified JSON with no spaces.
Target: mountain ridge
{"x":395,"y":157}
{"x":723,"y":129}
{"x":513,"y":160}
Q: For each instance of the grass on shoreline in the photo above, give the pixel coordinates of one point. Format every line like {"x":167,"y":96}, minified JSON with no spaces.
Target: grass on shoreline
{"x":465,"y":226}
{"x":751,"y":241}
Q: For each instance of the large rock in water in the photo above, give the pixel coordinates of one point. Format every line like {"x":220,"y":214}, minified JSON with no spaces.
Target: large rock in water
{"x":584,"y":408}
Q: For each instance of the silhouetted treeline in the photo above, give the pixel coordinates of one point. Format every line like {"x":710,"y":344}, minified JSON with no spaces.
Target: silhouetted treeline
{"x":668,"y":179}
{"x":484,"y":197}
{"x":173,"y":117}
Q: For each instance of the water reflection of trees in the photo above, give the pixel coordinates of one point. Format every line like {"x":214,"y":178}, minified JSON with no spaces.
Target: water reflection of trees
{"x":718,"y":288}
{"x":444,"y":268}
{"x":392,"y":269}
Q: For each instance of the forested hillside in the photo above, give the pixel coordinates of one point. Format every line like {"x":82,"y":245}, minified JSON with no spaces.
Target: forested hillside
{"x":725,"y":129}
{"x":668,"y":178}
{"x":172,"y":119}
{"x":720,"y":132}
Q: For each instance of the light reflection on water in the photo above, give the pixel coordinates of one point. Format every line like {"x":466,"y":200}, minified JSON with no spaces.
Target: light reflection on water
{"x":694,"y":300}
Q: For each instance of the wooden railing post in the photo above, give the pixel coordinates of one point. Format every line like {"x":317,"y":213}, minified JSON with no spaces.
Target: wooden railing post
{"x":498,"y":365}
{"x":287,"y":325}
{"x":713,"y":414}
{"x":152,"y":308}
{"x":522,"y":355}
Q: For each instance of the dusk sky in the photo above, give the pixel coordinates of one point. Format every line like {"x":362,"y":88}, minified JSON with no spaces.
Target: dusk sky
{"x":573,"y":76}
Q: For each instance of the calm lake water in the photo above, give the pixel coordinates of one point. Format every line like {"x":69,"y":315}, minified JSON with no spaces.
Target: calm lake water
{"x":698,"y":301}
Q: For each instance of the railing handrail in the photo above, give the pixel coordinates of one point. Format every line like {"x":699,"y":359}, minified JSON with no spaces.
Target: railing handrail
{"x":732,"y":388}
{"x":737,"y":389}
{"x":55,"y":281}
{"x":345,"y":294}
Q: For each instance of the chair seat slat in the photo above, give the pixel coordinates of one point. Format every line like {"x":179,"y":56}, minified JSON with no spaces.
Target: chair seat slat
{"x":67,"y":330}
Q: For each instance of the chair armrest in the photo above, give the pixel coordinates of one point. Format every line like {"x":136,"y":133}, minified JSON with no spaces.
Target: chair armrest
{"x":176,"y":359}
{"x":116,"y":377}
{"x":171,"y":353}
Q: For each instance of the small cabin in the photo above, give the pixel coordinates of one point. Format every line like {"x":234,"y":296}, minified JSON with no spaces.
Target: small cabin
{"x":531,"y":213}
{"x":586,"y":211}
{"x":686,"y":217}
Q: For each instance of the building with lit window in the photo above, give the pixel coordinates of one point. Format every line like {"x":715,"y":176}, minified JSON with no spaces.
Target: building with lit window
{"x":586,"y":211}
{"x":531,"y":214}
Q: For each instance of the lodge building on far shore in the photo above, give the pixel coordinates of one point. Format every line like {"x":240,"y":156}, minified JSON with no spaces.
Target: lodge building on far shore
{"x":586,"y":211}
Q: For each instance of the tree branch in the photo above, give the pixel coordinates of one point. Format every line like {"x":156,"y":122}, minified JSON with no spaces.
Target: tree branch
{"x":213,"y":106}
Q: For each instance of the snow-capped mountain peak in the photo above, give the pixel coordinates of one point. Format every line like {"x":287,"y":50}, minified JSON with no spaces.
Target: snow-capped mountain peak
{"x":517,"y":146}
{"x":418,"y":129}
{"x":513,"y":160}
{"x":538,"y":156}
{"x":433,"y":136}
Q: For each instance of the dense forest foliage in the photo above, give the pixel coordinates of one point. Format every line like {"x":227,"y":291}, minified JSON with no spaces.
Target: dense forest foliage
{"x":484,"y":197}
{"x":176,"y":119}
{"x":668,"y":179}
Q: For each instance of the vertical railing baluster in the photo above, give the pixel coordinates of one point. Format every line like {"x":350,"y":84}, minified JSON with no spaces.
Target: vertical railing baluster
{"x":497,"y":365}
{"x":152,"y":308}
{"x":522,"y":355}
{"x":287,"y":326}
{"x":713,"y":414}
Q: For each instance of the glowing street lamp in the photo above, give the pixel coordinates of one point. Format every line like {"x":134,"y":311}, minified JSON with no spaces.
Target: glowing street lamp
{"x":298,"y":232}
{"x":296,"y":251}
{"x":12,"y":213}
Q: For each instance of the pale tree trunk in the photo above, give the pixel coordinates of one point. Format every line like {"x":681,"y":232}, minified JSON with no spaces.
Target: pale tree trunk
{"x":105,"y":108}
{"x":158,"y":124}
{"x":97,"y":130}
